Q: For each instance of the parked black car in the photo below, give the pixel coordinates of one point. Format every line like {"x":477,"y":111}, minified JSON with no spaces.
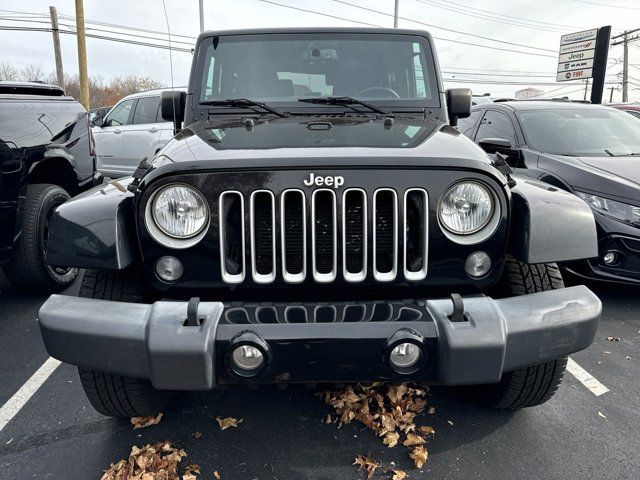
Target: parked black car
{"x":336,"y":227}
{"x":46,"y":156}
{"x":592,"y":151}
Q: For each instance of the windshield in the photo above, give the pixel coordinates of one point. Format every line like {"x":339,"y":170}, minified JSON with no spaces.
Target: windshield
{"x":588,"y":132}
{"x":392,"y":70}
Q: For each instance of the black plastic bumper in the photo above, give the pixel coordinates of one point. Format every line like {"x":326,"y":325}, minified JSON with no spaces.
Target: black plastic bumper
{"x":154,"y":341}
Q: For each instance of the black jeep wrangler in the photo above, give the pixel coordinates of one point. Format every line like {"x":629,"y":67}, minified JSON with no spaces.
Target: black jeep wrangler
{"x":318,"y":219}
{"x":46,"y":155}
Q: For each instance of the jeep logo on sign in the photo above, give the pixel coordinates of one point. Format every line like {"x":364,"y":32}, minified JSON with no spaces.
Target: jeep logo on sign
{"x":329,"y":181}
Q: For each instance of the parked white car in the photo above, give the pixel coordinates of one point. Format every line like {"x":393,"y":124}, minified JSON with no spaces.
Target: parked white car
{"x":131,"y":131}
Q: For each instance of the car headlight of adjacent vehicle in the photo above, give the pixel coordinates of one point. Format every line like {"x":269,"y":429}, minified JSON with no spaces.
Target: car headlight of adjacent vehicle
{"x":177,"y":215}
{"x":466,"y":208}
{"x":618,"y":210}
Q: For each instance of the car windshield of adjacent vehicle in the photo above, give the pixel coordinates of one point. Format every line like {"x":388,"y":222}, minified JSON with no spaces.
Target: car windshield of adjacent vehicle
{"x":281,"y":69}
{"x":588,"y":132}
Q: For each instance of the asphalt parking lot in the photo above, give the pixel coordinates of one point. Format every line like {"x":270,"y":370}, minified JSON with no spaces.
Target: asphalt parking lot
{"x":576,"y":435}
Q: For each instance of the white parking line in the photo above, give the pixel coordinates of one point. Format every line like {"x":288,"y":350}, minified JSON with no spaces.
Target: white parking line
{"x":22,"y":396}
{"x":586,"y":378}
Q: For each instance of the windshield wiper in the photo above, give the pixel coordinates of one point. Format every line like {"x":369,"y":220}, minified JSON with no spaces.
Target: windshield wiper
{"x":345,"y":102}
{"x":244,"y":103}
{"x":608,"y":152}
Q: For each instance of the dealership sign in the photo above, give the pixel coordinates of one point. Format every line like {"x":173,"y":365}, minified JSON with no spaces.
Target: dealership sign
{"x":575,"y":58}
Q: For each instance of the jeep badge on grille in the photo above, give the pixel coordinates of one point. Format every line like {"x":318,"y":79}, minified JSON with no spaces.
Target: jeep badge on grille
{"x":329,"y":181}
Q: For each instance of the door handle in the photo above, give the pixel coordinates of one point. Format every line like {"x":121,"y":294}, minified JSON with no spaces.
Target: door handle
{"x":117,"y":131}
{"x":153,"y":130}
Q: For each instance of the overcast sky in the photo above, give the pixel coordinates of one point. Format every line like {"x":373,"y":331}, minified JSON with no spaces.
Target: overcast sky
{"x":536,"y":23}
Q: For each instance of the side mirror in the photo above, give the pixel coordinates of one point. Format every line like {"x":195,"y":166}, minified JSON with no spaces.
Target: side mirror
{"x":172,"y":106}
{"x":493,"y":145}
{"x":98,"y":122}
{"x":458,"y":104}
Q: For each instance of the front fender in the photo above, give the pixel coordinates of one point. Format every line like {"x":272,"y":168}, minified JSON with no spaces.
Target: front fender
{"x":549,"y":224}
{"x":94,"y":230}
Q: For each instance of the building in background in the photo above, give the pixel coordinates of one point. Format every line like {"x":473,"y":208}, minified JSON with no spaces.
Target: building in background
{"x":529,"y":93}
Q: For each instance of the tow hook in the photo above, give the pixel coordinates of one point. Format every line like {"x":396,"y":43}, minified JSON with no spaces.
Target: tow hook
{"x":457,"y":315}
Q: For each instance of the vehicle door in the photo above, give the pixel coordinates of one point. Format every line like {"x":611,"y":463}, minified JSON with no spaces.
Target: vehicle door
{"x":108,"y":138}
{"x":142,"y":137}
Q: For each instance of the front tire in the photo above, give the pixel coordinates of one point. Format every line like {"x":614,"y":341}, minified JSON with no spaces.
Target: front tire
{"x":27,"y":269}
{"x":531,"y":386}
{"x":117,"y":395}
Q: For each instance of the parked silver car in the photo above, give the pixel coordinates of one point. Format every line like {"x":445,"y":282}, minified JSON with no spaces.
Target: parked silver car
{"x":131,"y":131}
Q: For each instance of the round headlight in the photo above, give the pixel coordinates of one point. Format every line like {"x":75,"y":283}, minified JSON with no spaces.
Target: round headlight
{"x":465,"y":208}
{"x":180,"y":211}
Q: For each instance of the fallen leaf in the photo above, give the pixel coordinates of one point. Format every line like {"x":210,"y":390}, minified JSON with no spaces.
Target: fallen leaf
{"x":190,"y":472}
{"x":419,"y":456}
{"x":431,"y":410}
{"x":197,"y":434}
{"x":142,"y":422}
{"x":427,"y":430}
{"x":367,"y":464}
{"x":606,"y":353}
{"x":398,"y":474}
{"x":217,"y":475}
{"x":601,"y":414}
{"x":450,"y":422}
{"x":413,"y":440}
{"x":158,"y":461}
{"x":228,"y":422}
{"x":613,"y":339}
{"x":391,"y":439}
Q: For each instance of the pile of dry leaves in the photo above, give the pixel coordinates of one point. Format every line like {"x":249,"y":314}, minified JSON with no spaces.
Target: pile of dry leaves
{"x":158,"y":461}
{"x":389,"y":410}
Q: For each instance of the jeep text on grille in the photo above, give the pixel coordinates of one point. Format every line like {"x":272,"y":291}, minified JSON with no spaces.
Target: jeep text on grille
{"x":319,"y":218}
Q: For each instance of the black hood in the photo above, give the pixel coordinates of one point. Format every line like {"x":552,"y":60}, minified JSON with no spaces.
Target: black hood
{"x":614,"y":177}
{"x":318,"y":141}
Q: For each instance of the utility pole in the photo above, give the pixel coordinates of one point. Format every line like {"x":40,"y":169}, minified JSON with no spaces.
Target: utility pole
{"x":200,"y":3}
{"x":395,"y":15}
{"x":611,"y":95}
{"x":82,"y":56}
{"x":56,"y":45}
{"x":586,"y":87}
{"x":626,"y":39}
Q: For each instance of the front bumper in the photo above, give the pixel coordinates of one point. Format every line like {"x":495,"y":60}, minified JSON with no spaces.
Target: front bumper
{"x":154,"y":341}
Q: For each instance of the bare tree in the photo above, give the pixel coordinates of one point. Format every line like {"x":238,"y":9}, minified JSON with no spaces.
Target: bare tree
{"x":8,"y":72}
{"x":32,"y":73}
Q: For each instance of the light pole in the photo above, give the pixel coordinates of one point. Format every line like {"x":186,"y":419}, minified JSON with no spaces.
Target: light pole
{"x":395,"y":15}
{"x":200,"y":3}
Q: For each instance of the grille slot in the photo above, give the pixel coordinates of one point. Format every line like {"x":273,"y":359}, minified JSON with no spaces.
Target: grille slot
{"x":263,"y":236}
{"x":294,"y":236}
{"x":354,"y":231}
{"x":385,"y":234}
{"x":232,"y":252}
{"x":416,"y":234}
{"x":323,"y":235}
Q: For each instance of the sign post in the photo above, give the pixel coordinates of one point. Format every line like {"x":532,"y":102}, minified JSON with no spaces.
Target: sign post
{"x":583,"y":55}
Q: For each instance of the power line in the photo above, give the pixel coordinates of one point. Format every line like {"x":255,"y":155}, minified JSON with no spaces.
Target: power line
{"x":460,"y":10}
{"x":444,"y":28}
{"x":606,"y":5}
{"x":488,"y":13}
{"x":437,"y":38}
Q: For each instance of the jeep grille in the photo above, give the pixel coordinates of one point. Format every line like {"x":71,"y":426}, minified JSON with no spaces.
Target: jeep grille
{"x":333,"y":228}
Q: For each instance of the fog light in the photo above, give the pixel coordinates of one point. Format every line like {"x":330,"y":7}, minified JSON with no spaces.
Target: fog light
{"x":247,"y":359}
{"x":169,"y":269}
{"x":477,"y":265}
{"x":404,"y":355}
{"x":610,"y":258}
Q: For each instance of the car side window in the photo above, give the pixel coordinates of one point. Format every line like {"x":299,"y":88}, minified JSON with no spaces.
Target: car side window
{"x":496,"y":125}
{"x":120,"y":114}
{"x":465,"y":125}
{"x":146,"y":110}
